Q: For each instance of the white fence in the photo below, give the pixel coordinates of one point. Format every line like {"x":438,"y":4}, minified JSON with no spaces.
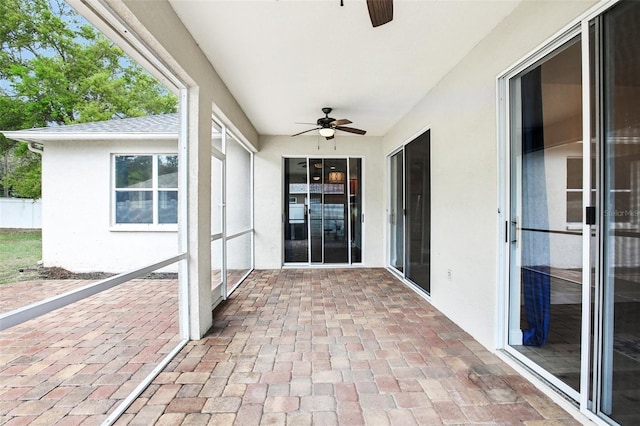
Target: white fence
{"x":20,"y":213}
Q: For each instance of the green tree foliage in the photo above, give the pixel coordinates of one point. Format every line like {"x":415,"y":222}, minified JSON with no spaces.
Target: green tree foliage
{"x":56,"y":69}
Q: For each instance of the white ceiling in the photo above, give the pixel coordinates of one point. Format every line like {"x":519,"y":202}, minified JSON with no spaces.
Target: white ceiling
{"x":285,"y":60}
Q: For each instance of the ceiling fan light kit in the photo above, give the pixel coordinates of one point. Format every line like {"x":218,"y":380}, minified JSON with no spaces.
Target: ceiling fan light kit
{"x":327,"y":132}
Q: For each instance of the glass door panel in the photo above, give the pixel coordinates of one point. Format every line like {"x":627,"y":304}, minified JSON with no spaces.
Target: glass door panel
{"x":546,"y":214}
{"x":621,"y":224}
{"x":323,"y":210}
{"x":396,"y":212}
{"x":335,"y":212}
{"x":296,"y":241}
{"x":355,"y":202}
{"x":316,"y":225}
{"x":418,"y":215}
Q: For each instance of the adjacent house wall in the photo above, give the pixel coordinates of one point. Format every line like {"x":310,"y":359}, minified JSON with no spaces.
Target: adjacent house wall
{"x":20,"y":213}
{"x":77,"y":196}
{"x":269,"y":190}
{"x":461,"y":112}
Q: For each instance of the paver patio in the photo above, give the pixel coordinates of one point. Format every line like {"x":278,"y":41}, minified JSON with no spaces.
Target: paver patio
{"x":293,"y":346}
{"x":76,"y":364}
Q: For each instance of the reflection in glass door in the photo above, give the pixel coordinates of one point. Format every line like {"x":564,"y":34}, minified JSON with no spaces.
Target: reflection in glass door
{"x":546,"y":215}
{"x":620,"y":123}
{"x":552,"y":177}
{"x":335,"y":212}
{"x":418,"y":216}
{"x":323,"y":210}
{"x":315,"y":209}
{"x":396,"y":212}
{"x":296,"y":210}
{"x":357,"y":216}
{"x":410,"y":211}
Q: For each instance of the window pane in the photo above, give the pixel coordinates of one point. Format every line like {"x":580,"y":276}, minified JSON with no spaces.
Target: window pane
{"x":574,"y":206}
{"x":134,"y":207}
{"x":574,"y":173}
{"x":134,"y":171}
{"x":167,"y":171}
{"x":167,"y":206}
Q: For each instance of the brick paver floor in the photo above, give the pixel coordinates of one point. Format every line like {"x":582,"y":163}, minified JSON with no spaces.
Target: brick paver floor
{"x":76,"y":364}
{"x":331,"y":346}
{"x":23,"y":293}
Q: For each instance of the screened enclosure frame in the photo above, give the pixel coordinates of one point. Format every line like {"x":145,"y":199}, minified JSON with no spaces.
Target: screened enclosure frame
{"x":223,"y":290}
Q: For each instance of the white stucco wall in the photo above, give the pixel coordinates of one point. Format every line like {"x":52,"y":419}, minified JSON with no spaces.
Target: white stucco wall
{"x":269,"y":191}
{"x":76,"y":186}
{"x":461,"y":112}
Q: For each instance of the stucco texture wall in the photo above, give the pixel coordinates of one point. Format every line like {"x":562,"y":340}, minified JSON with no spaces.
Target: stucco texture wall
{"x":76,"y":224}
{"x":461,"y":111}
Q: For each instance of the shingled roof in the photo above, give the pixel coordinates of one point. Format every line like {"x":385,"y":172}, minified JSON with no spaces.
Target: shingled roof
{"x":163,"y":126}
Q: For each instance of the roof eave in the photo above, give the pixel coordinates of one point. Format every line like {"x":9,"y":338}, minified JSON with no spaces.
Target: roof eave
{"x":42,"y":137}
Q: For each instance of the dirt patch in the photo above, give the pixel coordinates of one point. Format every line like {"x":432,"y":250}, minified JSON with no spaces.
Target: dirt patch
{"x":56,"y":273}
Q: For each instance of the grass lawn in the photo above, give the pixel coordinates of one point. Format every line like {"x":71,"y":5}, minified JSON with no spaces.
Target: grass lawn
{"x":19,"y":249}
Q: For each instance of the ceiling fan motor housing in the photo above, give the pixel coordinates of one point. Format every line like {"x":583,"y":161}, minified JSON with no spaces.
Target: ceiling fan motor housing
{"x":326,"y":120}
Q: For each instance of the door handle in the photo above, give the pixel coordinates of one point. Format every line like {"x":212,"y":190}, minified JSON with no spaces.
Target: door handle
{"x":513,"y":231}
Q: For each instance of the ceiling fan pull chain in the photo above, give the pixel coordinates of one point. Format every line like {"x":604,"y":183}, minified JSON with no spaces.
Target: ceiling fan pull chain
{"x":341,"y":3}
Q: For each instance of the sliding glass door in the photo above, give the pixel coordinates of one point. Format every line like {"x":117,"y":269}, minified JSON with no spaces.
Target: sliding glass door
{"x":618,"y":53}
{"x":546,"y":214}
{"x":396,"y":212}
{"x":574,"y":214}
{"x":410,"y":211}
{"x":323,"y":210}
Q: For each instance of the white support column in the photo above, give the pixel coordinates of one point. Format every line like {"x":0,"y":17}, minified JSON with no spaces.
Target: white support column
{"x":199,"y":213}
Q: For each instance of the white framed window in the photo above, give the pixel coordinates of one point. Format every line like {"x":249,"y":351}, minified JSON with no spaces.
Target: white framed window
{"x":574,"y":190}
{"x":145,"y":189}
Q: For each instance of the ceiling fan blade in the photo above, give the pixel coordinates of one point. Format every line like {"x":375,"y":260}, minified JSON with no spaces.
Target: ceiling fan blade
{"x":340,"y":122}
{"x":306,"y":131}
{"x":351,"y":130}
{"x":380,"y":11}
